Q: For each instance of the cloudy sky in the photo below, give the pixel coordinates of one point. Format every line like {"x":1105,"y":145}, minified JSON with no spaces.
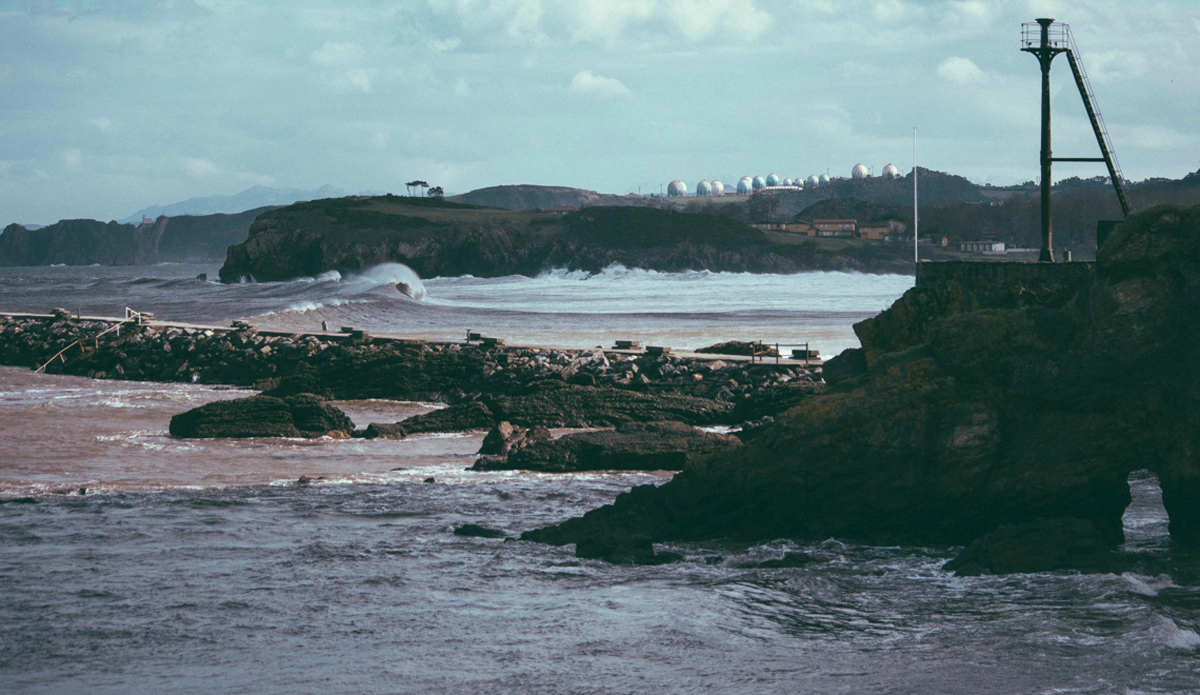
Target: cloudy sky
{"x":111,"y":106}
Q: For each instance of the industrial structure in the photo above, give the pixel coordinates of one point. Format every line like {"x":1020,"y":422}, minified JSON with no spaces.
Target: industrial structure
{"x":749,"y":185}
{"x":1045,"y":39}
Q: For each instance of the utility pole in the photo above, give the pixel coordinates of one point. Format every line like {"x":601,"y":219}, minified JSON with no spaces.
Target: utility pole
{"x":916,"y":216}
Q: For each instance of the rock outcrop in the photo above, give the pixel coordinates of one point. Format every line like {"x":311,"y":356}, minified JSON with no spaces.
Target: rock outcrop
{"x":1029,"y":396}
{"x":1044,"y":545}
{"x":302,"y":415}
{"x":632,"y":446}
{"x":438,"y":237}
{"x":165,"y":239}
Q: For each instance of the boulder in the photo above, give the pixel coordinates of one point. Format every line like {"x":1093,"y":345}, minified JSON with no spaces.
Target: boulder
{"x":457,"y":418}
{"x":1044,"y":545}
{"x":506,"y":438}
{"x":302,"y":415}
{"x":647,"y":446}
{"x":476,"y":531}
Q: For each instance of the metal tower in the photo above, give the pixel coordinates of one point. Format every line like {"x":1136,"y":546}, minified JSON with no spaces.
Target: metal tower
{"x":1046,"y":39}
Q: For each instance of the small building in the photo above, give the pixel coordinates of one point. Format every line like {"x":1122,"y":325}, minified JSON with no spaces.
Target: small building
{"x":982,"y":246}
{"x":788,"y":227}
{"x":878,"y":231}
{"x":562,"y":209}
{"x":835,"y":228}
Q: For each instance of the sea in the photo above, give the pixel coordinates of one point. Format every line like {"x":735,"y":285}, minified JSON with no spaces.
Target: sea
{"x":131,"y":562}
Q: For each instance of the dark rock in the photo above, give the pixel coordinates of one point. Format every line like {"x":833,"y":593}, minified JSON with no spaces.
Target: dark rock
{"x":457,"y":418}
{"x":21,"y":500}
{"x":622,"y":549}
{"x":632,"y":446}
{"x":850,"y":363}
{"x":429,"y":480}
{"x":739,"y":347}
{"x":1034,"y":400}
{"x":582,"y":379}
{"x":303,"y":415}
{"x":506,"y":438}
{"x":753,"y":429}
{"x":477,"y":531}
{"x":1045,"y":545}
{"x":775,"y":399}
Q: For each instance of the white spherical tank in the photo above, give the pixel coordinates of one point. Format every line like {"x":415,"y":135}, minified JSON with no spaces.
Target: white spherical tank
{"x":788,"y":182}
{"x":759,"y":183}
{"x":745,"y":187}
{"x":859,"y":172}
{"x":824,"y":180}
{"x":703,"y":188}
{"x":812,"y":182}
{"x":676,"y":188}
{"x":717,"y":187}
{"x":772,"y":180}
{"x":891,"y":172}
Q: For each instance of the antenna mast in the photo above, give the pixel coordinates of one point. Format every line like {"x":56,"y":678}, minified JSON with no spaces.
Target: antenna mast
{"x":916,"y":216}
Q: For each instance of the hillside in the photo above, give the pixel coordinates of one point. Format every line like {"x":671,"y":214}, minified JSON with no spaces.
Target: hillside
{"x":530,"y":197}
{"x":84,"y":242}
{"x":444,"y":238}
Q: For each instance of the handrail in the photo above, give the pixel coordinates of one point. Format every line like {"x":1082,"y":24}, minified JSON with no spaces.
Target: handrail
{"x":1097,"y":119}
{"x":130,"y":315}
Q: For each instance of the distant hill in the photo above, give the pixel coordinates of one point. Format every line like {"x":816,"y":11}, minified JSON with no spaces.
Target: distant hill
{"x":531,"y":197}
{"x":249,"y":199}
{"x":187,"y":238}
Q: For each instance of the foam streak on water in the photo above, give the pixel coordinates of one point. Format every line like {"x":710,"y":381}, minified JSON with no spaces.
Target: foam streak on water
{"x":682,"y":310}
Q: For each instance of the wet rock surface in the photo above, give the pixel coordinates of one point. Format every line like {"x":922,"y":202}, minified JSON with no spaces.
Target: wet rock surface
{"x":1032,"y":400}
{"x":633,"y":446}
{"x":1044,"y":545}
{"x":302,"y":415}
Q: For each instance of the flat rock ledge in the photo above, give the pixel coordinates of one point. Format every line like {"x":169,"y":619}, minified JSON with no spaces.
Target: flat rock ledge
{"x":646,"y":446}
{"x":303,"y":415}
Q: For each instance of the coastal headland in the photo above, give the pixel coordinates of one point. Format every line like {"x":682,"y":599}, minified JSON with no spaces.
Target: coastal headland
{"x":992,"y":398}
{"x":988,"y":396}
{"x":438,"y":237}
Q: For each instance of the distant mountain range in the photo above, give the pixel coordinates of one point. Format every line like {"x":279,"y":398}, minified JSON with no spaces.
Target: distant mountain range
{"x":249,"y":199}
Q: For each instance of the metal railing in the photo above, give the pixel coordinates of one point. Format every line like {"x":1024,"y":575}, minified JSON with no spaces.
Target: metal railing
{"x":130,"y":315}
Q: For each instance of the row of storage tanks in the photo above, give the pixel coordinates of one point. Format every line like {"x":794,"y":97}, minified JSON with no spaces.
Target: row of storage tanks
{"x":748,"y":185}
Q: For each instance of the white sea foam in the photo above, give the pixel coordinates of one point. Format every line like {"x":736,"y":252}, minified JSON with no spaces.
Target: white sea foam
{"x":1147,"y":586}
{"x":1170,"y":634}
{"x":387,"y":274}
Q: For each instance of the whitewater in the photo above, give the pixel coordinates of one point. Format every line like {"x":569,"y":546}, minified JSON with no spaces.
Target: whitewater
{"x":134,"y":562}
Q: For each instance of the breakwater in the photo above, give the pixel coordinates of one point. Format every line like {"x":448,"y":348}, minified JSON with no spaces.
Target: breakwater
{"x":356,"y":365}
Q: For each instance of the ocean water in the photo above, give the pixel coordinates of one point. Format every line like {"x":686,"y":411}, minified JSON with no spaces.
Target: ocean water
{"x":681,"y":310}
{"x":202,"y":566}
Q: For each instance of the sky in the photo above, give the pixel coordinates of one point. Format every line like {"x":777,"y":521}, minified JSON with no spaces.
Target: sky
{"x":108,"y":107}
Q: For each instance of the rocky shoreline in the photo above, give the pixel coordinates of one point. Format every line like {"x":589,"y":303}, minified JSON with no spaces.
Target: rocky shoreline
{"x":989,"y":396}
{"x":484,"y":387}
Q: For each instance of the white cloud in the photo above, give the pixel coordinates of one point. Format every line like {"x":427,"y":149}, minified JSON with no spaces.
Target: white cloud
{"x":1160,"y":138}
{"x":1113,"y":66}
{"x":338,"y":55}
{"x":344,"y":63}
{"x":462,"y":89}
{"x":586,"y":84}
{"x":199,"y":168}
{"x":102,"y":124}
{"x":959,"y":70}
{"x":444,"y":45}
{"x":72,"y":159}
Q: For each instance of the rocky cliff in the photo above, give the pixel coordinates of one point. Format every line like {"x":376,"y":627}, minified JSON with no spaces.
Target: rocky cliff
{"x":166,"y":239}
{"x":442,"y":238}
{"x":989,"y":395}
